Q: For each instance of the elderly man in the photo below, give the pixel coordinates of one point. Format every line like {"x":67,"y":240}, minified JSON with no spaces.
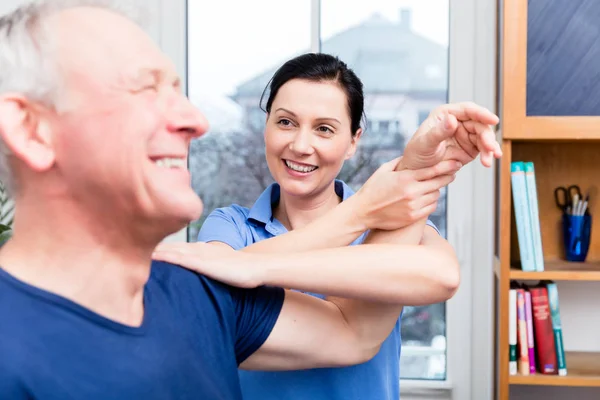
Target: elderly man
{"x":95,"y":132}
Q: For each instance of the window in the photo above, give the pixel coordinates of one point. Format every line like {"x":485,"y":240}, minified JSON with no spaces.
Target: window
{"x":225,"y":52}
{"x":390,"y":45}
{"x":393,"y":46}
{"x":226,"y":79}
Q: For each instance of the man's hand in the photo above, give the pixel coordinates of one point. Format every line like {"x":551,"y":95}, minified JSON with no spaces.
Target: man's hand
{"x":459,"y":131}
{"x":392,"y":199}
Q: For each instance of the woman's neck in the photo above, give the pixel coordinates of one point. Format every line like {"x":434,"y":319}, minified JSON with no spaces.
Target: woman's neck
{"x":298,"y":211}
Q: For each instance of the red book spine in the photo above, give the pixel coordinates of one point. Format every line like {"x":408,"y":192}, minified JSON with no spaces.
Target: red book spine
{"x":544,"y":334}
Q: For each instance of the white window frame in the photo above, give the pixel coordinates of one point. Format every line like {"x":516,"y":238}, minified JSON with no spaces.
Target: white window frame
{"x":472,"y":76}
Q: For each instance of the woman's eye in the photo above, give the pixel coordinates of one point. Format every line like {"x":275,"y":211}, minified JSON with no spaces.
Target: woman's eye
{"x":284,"y":122}
{"x":325,"y":129}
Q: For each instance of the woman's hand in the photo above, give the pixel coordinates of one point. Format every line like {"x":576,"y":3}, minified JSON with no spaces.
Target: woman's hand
{"x":392,"y":199}
{"x":215,"y":260}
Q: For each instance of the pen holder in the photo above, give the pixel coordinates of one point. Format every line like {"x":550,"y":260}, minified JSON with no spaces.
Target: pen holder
{"x":576,"y":236}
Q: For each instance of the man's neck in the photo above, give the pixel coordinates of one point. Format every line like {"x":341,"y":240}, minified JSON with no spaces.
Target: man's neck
{"x":296,"y":212}
{"x":86,"y":260}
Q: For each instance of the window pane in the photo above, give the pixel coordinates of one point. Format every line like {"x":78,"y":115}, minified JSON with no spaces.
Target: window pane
{"x":399,"y":49}
{"x":231,"y":57}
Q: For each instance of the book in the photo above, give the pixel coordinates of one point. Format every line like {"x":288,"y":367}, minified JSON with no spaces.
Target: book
{"x":534,"y":215}
{"x":530,"y":340}
{"x":543,"y":330}
{"x":522,"y":216}
{"x":522,"y":334}
{"x":556,"y":327}
{"x":512,"y":331}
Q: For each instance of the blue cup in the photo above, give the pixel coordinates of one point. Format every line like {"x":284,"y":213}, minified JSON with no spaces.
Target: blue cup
{"x":577,"y":231}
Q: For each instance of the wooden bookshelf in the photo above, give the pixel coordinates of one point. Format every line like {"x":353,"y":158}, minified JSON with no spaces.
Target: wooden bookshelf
{"x":549,"y":114}
{"x":560,"y":271}
{"x":583,"y":371}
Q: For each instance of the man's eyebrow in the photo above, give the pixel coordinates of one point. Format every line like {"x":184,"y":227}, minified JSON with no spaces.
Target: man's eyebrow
{"x":157,"y":76}
{"x":145,"y":73}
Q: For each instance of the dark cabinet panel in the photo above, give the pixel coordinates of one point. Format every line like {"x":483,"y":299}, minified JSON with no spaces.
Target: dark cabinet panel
{"x":563,"y":58}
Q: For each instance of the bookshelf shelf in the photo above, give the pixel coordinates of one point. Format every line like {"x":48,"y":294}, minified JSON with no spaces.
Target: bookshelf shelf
{"x":557,"y":128}
{"x":561,"y":271}
{"x":541,"y":122}
{"x":583,"y":370}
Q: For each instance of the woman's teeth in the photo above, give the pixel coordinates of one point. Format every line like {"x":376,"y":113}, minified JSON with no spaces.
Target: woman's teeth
{"x":168,"y":162}
{"x":299,"y":168}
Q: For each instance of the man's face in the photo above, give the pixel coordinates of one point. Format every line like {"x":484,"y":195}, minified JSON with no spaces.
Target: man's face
{"x":122,"y":138}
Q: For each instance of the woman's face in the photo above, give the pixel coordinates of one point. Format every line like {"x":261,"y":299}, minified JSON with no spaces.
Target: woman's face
{"x":308,"y":136}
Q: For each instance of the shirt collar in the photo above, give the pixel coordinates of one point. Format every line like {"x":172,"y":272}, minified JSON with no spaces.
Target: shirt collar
{"x":262,"y":210}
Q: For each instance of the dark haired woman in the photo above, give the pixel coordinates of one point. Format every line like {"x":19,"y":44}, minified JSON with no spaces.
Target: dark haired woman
{"x":314,"y":110}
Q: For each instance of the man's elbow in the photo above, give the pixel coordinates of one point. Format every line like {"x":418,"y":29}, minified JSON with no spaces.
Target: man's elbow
{"x":450,"y":282}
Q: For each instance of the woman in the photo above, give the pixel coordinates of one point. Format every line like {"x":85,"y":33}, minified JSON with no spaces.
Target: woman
{"x":314,"y":110}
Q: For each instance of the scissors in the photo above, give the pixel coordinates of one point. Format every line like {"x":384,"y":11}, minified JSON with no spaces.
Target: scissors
{"x":565,"y":197}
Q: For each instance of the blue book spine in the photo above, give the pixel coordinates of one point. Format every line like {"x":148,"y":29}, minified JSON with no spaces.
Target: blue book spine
{"x":556,"y":327}
{"x":538,"y":253}
{"x":522,"y":218}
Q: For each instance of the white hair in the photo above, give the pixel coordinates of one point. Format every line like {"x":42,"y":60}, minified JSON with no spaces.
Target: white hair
{"x":27,"y":66}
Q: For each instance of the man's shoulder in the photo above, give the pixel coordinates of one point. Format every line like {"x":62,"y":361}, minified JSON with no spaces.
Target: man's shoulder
{"x":23,"y":319}
{"x":175,"y":280}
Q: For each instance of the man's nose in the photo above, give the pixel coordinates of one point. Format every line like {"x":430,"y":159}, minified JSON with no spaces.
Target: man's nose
{"x":186,"y":118}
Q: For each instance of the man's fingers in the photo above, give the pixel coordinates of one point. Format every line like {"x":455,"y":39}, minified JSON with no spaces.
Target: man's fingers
{"x":439,"y":128}
{"x":470,"y":111}
{"x":486,"y":138}
{"x":445,"y":167}
{"x":458,"y":154}
{"x":464,"y":140}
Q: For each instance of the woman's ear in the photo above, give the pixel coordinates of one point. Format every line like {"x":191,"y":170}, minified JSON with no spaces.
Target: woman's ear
{"x":26,"y":132}
{"x":354,"y":143}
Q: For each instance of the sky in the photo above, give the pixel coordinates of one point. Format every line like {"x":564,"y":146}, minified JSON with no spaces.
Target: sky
{"x":232,"y":41}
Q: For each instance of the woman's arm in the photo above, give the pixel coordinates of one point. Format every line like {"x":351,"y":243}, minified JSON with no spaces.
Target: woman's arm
{"x":312,"y":333}
{"x":392,"y":273}
{"x":390,"y":199}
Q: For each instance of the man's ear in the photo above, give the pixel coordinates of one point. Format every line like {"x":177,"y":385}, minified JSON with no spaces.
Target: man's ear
{"x":354,"y":144}
{"x":26,"y":130}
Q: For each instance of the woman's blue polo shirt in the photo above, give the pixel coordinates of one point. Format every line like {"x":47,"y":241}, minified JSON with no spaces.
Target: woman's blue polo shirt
{"x":378,"y":378}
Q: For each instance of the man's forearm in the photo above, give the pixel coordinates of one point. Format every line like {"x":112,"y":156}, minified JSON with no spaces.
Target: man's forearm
{"x":373,"y":321}
{"x":339,"y":227}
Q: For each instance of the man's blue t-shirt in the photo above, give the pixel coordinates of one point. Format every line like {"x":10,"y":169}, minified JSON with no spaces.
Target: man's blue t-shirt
{"x":194,"y":335}
{"x":376,"y":379}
